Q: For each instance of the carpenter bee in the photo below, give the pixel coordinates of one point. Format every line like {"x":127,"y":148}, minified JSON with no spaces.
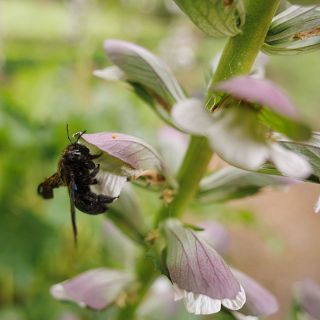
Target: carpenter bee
{"x":77,"y":171}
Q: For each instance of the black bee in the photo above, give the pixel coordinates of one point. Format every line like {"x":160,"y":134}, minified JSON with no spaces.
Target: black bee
{"x":77,"y":171}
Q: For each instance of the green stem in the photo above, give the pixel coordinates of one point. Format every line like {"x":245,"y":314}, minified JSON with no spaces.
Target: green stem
{"x":238,"y":57}
{"x":192,"y":170}
{"x":241,"y":51}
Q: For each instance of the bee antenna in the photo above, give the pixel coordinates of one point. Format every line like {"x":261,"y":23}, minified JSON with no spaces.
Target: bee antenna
{"x":80,"y":135}
{"x":68,"y":135}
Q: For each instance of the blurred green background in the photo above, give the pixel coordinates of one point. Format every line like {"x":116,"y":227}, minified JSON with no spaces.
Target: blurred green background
{"x":48,"y":50}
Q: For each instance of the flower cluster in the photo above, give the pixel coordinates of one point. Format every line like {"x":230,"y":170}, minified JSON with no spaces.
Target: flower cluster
{"x":237,"y":129}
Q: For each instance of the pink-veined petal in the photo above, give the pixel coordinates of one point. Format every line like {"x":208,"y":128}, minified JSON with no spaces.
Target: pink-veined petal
{"x":260,"y":302}
{"x":123,"y":154}
{"x":308,"y":295}
{"x":96,"y":288}
{"x":196,"y":267}
{"x":215,"y":234}
{"x":145,"y":68}
{"x":259,"y":91}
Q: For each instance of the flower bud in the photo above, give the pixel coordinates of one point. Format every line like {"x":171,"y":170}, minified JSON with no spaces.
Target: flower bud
{"x":295,"y":30}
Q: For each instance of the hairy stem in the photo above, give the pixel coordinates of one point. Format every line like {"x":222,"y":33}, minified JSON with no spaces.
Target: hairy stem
{"x":238,"y":57}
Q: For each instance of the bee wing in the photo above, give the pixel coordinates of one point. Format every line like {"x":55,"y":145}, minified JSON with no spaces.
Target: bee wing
{"x":71,"y":189}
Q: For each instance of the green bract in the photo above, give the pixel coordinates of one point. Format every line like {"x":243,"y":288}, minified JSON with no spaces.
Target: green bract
{"x":305,"y":2}
{"x":215,"y":17}
{"x":295,"y":30}
{"x":231,"y":183}
{"x":150,"y":78}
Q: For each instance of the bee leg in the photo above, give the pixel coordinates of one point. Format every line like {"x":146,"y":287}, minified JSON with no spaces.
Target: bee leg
{"x":90,"y":178}
{"x":95,"y":156}
{"x":106,"y":199}
{"x":71,"y":188}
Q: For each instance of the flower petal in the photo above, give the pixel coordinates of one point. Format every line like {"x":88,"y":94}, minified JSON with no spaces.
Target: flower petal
{"x":196,"y":267}
{"x":308,"y":294}
{"x":237,"y":303}
{"x":260,"y":302}
{"x":239,"y":144}
{"x":123,"y":154}
{"x":159,"y":303}
{"x":215,"y":234}
{"x":317,"y":206}
{"x":289,"y":163}
{"x":143,"y":67}
{"x":202,"y":304}
{"x":259,"y":91}
{"x":109,"y":184}
{"x":191,"y":116}
{"x":96,"y":288}
{"x":197,"y":303}
{"x":112,"y":73}
{"x":240,"y":316}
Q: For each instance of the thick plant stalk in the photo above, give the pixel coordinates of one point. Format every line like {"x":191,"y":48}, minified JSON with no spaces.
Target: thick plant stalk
{"x":237,"y":58}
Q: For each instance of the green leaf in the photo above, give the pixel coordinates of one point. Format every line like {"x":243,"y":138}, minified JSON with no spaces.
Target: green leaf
{"x":292,"y":128}
{"x":215,"y":17}
{"x":232,"y":183}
